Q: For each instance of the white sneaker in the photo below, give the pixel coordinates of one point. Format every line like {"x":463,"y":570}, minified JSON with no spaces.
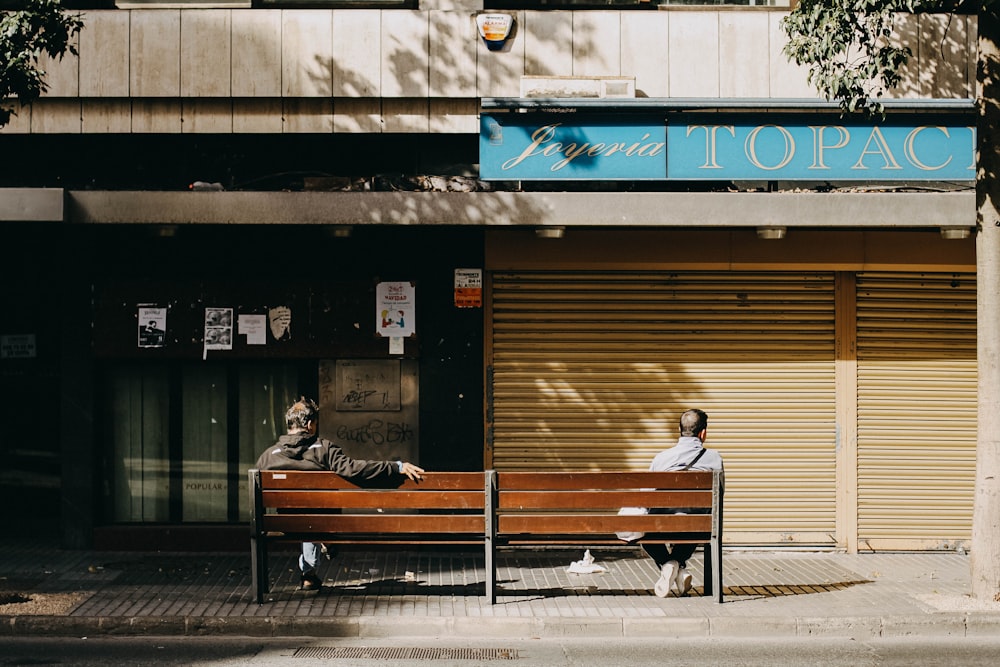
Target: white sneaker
{"x":668,"y":578}
{"x":683,"y":581}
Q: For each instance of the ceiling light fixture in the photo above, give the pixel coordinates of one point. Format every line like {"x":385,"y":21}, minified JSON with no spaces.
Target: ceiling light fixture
{"x":955,"y":233}
{"x":771,"y":233}
{"x":550,"y":232}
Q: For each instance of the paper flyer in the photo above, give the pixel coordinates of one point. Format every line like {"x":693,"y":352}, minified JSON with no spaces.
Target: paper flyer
{"x":152,"y":327}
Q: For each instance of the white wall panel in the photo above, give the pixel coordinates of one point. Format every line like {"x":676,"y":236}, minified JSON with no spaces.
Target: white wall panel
{"x":944,"y":56}
{"x":454,"y":116}
{"x":405,"y":115}
{"x":206,"y":53}
{"x":357,"y":38}
{"x":156,"y":116}
{"x":107,"y":116}
{"x":744,"y":49}
{"x":405,"y":54}
{"x":256,"y":65}
{"x":452,"y":46}
{"x":548,"y":43}
{"x":644,"y":53}
{"x":207,"y":116}
{"x":788,"y":80}
{"x":360,"y":57}
{"x":257,"y":116}
{"x":694,"y":54}
{"x":19,"y":123}
{"x":352,"y":115}
{"x":62,"y":75}
{"x":104,"y":55}
{"x":306,"y":53}
{"x":56,"y":116}
{"x":597,"y":46}
{"x":154,"y":53}
{"x":308,"y":115}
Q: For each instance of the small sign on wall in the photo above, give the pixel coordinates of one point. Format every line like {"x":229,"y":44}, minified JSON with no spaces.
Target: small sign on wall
{"x":468,"y":288}
{"x":17,"y":346}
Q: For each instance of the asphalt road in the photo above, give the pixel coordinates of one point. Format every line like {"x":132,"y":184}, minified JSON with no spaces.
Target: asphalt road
{"x":569,"y":652}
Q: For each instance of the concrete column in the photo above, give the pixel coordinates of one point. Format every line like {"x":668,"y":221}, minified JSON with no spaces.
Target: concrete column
{"x":76,"y":394}
{"x":985,"y":557}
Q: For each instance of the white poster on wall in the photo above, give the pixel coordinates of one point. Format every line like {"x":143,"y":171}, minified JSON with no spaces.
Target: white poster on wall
{"x":394,"y":310}
{"x":218,"y":329}
{"x":254,"y":327}
{"x":152,"y":327}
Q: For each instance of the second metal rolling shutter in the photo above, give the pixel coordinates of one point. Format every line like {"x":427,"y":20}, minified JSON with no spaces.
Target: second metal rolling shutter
{"x":591,"y":371}
{"x":916,"y":409}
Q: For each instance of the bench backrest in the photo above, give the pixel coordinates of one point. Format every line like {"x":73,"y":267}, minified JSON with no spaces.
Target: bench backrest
{"x":450,"y":505}
{"x":463,"y":505}
{"x":587,"y":503}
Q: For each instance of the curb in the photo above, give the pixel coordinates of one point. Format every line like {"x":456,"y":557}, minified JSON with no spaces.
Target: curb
{"x":853,"y":627}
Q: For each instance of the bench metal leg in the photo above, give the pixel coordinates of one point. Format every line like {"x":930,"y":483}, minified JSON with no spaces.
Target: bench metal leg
{"x":709,"y":569}
{"x":491,"y":574}
{"x":716,"y":550}
{"x":258,"y":568}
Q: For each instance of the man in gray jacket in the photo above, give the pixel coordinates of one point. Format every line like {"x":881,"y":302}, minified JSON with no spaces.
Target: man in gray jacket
{"x":302,"y":449}
{"x":688,"y":454}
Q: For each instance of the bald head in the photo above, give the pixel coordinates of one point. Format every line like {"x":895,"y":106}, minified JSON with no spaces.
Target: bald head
{"x":693,"y":422}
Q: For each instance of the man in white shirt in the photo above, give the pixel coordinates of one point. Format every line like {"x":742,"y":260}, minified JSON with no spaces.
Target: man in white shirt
{"x":688,"y":454}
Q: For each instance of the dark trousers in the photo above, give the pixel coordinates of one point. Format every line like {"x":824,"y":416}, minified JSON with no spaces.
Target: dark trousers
{"x":678,"y":552}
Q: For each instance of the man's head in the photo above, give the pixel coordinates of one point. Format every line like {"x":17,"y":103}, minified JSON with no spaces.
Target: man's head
{"x":302,"y":412}
{"x":693,"y":423}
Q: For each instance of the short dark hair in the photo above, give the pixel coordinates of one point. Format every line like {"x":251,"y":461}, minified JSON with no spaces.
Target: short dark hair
{"x":301,"y":413}
{"x":693,"y":422}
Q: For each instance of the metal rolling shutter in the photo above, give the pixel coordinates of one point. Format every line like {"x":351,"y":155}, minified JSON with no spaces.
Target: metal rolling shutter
{"x":592,"y":370}
{"x":916,"y":409}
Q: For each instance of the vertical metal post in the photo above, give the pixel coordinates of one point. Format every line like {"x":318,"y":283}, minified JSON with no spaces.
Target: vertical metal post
{"x":258,"y":549}
{"x":490,"y":535}
{"x":718,"y":491}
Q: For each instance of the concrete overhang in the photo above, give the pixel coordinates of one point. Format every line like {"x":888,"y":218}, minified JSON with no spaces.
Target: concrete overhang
{"x":31,"y":204}
{"x":857,"y":210}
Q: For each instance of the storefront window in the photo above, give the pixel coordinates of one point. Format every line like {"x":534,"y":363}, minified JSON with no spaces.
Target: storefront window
{"x":204,"y":455}
{"x":183,"y":437}
{"x":139,"y":427}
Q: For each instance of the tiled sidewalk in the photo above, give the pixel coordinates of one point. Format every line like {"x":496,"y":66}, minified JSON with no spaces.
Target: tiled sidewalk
{"x":423,"y":593}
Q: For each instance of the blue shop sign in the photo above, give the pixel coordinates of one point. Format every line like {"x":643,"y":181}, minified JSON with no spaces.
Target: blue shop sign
{"x":803,"y":147}
{"x":819,"y":148}
{"x":552,"y":147}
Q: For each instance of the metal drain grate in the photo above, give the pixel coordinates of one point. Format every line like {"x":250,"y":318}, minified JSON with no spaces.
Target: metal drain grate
{"x":404,"y":653}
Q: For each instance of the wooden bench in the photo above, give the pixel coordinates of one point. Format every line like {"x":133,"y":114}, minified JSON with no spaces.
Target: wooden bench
{"x":486,"y":509}
{"x":294,"y":506}
{"x":581,"y":508}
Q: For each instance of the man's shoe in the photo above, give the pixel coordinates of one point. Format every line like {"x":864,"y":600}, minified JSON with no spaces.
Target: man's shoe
{"x":683,"y":581}
{"x":668,"y":575}
{"x":310,"y":582}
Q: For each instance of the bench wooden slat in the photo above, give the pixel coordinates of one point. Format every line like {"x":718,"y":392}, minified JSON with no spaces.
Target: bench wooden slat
{"x":572,"y":481}
{"x":602,"y":500}
{"x":561,"y":524}
{"x":380,"y":499}
{"x":318,"y":480}
{"x":373,"y":523}
{"x":369,"y":539}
